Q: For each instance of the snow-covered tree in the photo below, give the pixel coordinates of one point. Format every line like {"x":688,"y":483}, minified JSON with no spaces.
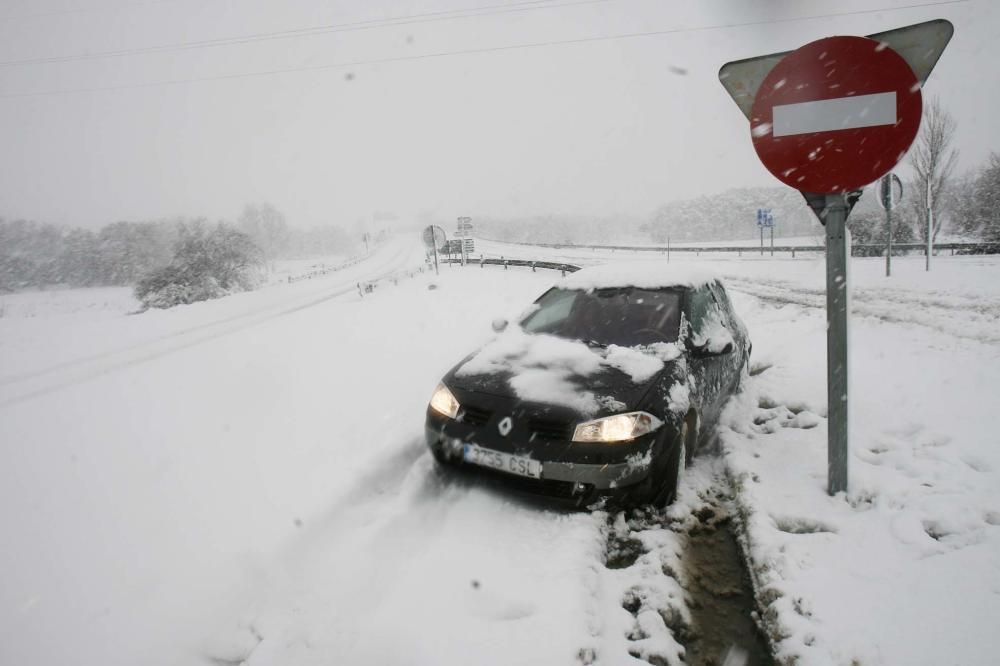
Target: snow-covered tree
{"x":266,"y":225}
{"x":209,"y":262}
{"x":868,"y":230}
{"x":987,"y":200}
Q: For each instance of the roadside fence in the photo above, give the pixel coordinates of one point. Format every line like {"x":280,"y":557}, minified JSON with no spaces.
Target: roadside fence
{"x":530,"y":263}
{"x":857,"y":250}
{"x":326,"y":270}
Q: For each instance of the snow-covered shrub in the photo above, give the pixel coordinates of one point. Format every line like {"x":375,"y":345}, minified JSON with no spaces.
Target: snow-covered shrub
{"x":868,"y":232}
{"x":207,"y":263}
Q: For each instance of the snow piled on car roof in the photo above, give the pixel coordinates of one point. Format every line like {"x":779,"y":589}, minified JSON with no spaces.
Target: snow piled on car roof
{"x":642,"y":275}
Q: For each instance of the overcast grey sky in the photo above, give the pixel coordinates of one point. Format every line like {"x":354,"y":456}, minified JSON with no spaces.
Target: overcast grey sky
{"x":612,"y":126}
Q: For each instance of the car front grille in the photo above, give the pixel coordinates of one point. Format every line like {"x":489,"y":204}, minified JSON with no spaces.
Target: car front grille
{"x":549,"y":429}
{"x":474,"y":416}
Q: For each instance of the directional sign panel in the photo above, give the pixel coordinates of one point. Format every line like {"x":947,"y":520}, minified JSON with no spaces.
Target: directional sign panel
{"x":836,"y":114}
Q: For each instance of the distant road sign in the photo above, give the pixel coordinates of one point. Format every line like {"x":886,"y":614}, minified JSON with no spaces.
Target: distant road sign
{"x":765,"y":218}
{"x":890,"y":191}
{"x":836,"y":114}
{"x":434,"y":236}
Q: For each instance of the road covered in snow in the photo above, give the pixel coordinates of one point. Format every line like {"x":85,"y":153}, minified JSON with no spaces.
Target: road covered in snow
{"x":245,"y":481}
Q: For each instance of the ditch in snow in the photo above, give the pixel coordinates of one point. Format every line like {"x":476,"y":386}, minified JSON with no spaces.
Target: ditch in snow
{"x":704,"y":558}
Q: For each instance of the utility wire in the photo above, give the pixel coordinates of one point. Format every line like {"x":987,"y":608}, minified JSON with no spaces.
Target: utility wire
{"x":428,"y":17}
{"x":490,"y":49}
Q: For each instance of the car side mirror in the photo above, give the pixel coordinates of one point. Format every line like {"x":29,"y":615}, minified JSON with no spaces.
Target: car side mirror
{"x":713,"y":347}
{"x":499,"y":325}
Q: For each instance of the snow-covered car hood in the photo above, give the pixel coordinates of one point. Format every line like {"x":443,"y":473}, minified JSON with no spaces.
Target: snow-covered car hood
{"x":552,"y":370}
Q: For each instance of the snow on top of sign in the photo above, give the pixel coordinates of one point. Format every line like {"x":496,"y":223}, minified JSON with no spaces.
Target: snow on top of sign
{"x":644,"y":276}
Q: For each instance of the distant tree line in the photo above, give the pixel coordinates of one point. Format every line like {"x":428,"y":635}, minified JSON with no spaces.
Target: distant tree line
{"x":36,"y":254}
{"x":966,"y":206}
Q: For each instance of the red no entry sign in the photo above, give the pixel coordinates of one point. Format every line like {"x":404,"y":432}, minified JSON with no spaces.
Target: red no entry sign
{"x":836,"y":114}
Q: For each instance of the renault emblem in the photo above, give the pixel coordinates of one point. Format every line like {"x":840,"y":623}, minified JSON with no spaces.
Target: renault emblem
{"x":505,"y":426}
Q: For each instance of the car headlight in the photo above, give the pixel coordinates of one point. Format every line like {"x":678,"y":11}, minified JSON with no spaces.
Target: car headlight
{"x":617,"y":428}
{"x":443,"y":402}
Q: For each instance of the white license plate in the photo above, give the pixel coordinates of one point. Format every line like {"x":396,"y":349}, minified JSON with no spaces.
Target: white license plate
{"x":505,"y":462}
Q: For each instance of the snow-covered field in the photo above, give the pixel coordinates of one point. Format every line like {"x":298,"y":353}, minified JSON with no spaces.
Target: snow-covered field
{"x":245,"y":481}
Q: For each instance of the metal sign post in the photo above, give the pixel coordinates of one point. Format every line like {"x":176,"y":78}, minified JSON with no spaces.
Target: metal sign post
{"x":434,"y":237}
{"x":827,"y":119}
{"x":888,"y":234}
{"x":837,"y":251}
{"x":888,"y":198}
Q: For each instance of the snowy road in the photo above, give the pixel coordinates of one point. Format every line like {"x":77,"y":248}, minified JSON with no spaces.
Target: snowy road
{"x":244,"y":481}
{"x":51,"y":357}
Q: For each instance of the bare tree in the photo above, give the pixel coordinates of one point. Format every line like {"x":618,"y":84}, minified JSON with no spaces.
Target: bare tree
{"x":933,"y":161}
{"x":986,"y":200}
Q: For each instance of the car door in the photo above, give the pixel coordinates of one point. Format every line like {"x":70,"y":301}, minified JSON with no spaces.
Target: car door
{"x":732,"y":322}
{"x":711,"y":372}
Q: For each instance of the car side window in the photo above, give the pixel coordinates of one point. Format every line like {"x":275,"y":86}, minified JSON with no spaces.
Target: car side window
{"x":708,"y":318}
{"x":722,"y":297}
{"x":702,"y":306}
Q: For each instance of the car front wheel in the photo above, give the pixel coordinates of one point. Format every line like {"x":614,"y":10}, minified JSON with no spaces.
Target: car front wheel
{"x":659,"y":488}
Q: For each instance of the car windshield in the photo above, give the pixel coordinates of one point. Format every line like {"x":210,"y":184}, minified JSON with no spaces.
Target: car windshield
{"x":627,"y":317}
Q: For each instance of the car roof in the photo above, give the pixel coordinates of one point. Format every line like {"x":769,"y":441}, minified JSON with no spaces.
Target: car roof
{"x":644,"y":275}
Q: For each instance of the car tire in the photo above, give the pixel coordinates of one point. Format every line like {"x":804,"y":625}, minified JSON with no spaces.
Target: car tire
{"x":659,"y":488}
{"x":676,"y":464}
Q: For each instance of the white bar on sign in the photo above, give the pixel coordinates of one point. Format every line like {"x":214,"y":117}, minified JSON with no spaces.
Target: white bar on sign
{"x":841,"y":113}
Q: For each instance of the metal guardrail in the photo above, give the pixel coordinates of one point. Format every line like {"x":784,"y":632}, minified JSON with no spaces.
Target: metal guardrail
{"x":859,"y":249}
{"x":529,"y":263}
{"x":326,"y":270}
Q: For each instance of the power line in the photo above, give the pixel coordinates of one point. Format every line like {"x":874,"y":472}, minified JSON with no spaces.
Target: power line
{"x":428,"y":17}
{"x":476,"y":51}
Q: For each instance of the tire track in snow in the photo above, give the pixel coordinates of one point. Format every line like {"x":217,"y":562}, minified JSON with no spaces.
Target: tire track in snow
{"x":418,"y":544}
{"x":943,"y":318}
{"x":77,"y":371}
